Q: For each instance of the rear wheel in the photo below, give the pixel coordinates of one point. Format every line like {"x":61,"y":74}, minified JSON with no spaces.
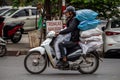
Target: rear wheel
{"x":16,"y":37}
{"x":90,"y":64}
{"x":35,"y":63}
{"x":3,"y":50}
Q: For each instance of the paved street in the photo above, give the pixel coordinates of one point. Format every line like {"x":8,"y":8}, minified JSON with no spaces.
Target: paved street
{"x":11,"y":68}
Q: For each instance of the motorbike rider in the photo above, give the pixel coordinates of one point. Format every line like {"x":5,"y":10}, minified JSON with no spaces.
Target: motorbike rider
{"x":72,"y":24}
{"x":64,"y":37}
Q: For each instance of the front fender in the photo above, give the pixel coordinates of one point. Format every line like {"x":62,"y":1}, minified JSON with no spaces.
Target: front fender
{"x":39,"y":49}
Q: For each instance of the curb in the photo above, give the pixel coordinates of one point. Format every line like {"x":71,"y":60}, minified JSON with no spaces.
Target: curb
{"x":16,"y":53}
{"x":20,"y":48}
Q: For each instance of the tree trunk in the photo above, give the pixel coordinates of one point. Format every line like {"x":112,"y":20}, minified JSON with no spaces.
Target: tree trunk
{"x":60,"y":8}
{"x":47,"y":8}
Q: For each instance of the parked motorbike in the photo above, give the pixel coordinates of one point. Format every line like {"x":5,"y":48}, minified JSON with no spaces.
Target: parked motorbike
{"x":12,"y":31}
{"x":38,"y":58}
{"x":3,"y":49}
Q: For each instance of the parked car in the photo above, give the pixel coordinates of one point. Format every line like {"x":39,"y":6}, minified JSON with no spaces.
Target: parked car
{"x":4,"y":9}
{"x":111,"y":38}
{"x":26,"y":14}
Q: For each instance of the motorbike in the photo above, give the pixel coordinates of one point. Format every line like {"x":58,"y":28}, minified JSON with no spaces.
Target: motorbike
{"x":38,"y":58}
{"x":3,"y":49}
{"x":12,"y":31}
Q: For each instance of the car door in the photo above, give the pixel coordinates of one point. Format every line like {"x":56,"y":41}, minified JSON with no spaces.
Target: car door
{"x":23,"y":15}
{"x":112,"y":35}
{"x":34,"y":14}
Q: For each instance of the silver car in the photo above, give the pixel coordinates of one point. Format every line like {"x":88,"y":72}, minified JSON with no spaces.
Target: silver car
{"x":26,"y":14}
{"x":4,"y":9}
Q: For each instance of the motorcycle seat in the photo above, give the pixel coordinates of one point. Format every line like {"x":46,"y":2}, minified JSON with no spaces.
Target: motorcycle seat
{"x":10,"y":26}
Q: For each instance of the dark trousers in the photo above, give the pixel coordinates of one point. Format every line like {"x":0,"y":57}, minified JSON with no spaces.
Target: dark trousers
{"x":66,"y":45}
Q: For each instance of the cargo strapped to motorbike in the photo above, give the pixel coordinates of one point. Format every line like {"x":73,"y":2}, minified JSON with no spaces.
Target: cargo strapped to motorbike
{"x":90,"y":35}
{"x":87,"y":19}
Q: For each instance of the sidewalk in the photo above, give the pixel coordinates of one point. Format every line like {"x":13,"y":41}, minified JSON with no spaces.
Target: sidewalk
{"x":20,"y":48}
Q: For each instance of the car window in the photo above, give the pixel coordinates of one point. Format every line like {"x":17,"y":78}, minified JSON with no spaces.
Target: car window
{"x":2,"y":10}
{"x":115,"y":24}
{"x":34,"y":11}
{"x":21,"y":13}
{"x":9,"y":12}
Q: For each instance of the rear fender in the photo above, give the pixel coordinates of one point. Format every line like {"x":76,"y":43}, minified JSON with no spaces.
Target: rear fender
{"x":39,"y":49}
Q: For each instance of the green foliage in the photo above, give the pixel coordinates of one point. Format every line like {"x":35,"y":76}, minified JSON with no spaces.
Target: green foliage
{"x":33,"y":2}
{"x":101,"y":6}
{"x":16,"y":3}
{"x":54,"y":7}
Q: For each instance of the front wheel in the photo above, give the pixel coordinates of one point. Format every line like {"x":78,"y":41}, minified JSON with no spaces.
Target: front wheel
{"x":89,"y":64}
{"x":3,"y":50}
{"x":35,"y":63}
{"x":16,"y":37}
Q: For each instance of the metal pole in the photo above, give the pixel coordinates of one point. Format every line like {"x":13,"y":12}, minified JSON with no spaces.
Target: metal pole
{"x":63,"y":15}
{"x":36,"y":26}
{"x":60,"y":11}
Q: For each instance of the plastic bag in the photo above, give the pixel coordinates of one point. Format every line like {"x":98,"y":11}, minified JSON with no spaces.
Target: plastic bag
{"x":86,"y":25}
{"x":87,"y":19}
{"x":86,"y":14}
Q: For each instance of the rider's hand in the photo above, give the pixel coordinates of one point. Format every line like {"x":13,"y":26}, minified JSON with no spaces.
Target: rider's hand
{"x":56,"y":34}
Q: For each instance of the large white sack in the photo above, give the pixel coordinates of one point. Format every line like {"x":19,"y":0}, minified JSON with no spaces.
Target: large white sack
{"x":91,"y":32}
{"x":91,"y":39}
{"x":91,"y":46}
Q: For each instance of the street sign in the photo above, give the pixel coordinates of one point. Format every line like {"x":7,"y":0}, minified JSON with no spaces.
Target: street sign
{"x":55,"y":25}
